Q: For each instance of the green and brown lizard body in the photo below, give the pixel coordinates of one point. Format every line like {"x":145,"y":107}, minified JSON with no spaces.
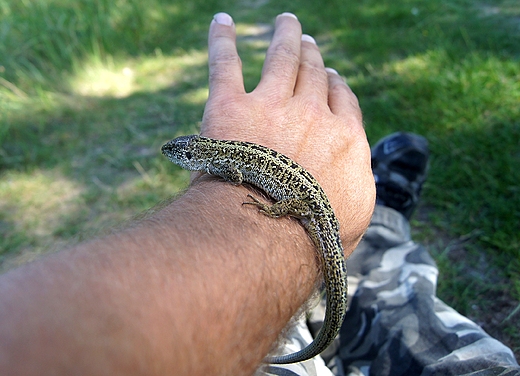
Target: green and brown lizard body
{"x":297,"y":194}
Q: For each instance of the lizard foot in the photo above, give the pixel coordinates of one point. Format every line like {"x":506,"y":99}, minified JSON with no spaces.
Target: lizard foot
{"x":292,"y":206}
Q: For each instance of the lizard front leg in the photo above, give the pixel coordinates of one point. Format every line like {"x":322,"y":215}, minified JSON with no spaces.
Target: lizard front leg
{"x":227,"y":171}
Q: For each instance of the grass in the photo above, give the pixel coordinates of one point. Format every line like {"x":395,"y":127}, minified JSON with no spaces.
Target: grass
{"x":90,"y":89}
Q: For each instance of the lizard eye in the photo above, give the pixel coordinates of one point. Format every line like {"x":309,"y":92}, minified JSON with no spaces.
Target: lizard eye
{"x":188,"y":155}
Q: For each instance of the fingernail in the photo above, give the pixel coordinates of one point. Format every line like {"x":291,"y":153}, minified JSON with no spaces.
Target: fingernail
{"x":332,"y":70}
{"x":308,"y":38}
{"x":223,"y":19}
{"x":287,"y":14}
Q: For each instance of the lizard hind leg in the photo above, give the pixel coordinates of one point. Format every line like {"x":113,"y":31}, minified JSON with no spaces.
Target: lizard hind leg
{"x":291,"y":206}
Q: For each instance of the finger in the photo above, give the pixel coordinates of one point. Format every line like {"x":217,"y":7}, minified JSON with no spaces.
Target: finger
{"x":312,"y":77}
{"x":225,"y":66}
{"x":342,"y":100}
{"x":283,"y":57}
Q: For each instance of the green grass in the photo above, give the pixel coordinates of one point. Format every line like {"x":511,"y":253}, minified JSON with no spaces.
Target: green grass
{"x":90,"y":89}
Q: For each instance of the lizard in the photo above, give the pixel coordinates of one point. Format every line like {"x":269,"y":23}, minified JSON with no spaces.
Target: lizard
{"x":296,"y":193}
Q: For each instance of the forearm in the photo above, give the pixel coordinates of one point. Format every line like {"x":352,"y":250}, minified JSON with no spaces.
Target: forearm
{"x":205,"y":282}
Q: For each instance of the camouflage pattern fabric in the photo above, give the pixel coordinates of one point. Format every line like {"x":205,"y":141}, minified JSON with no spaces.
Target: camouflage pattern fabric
{"x":395,"y":324}
{"x":297,"y":338}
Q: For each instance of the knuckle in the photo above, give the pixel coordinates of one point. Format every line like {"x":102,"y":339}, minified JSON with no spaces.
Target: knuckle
{"x":314,"y":108}
{"x":284,"y":62}
{"x":222,"y":68}
{"x":342,"y":90}
{"x":314,"y":71}
{"x":314,"y":66}
{"x":225,"y":60}
{"x":286,"y":52}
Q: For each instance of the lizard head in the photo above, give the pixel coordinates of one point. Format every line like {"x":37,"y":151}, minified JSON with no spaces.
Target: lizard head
{"x":183,"y":152}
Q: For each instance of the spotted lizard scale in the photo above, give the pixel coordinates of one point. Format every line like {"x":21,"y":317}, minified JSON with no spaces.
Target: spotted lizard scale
{"x":296,"y":193}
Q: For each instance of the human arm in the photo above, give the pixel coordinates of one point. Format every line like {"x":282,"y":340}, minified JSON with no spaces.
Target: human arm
{"x":205,"y":285}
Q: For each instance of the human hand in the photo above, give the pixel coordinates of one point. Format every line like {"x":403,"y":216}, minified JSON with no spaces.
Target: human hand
{"x":299,"y":108}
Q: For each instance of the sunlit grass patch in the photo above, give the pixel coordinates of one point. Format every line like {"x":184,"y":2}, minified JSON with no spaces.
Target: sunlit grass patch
{"x":35,"y":204}
{"x":119,"y":79}
{"x":454,"y":92}
{"x":38,"y":199}
{"x":100,"y":81}
{"x":161,"y":71}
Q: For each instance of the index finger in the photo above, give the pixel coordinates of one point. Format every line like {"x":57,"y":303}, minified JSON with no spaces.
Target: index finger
{"x":225,"y":66}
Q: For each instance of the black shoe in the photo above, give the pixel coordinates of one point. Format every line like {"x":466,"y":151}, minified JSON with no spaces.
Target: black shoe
{"x":399,"y":165}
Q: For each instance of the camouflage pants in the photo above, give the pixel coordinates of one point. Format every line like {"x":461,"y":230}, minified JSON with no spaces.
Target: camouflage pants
{"x":395,"y":324}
